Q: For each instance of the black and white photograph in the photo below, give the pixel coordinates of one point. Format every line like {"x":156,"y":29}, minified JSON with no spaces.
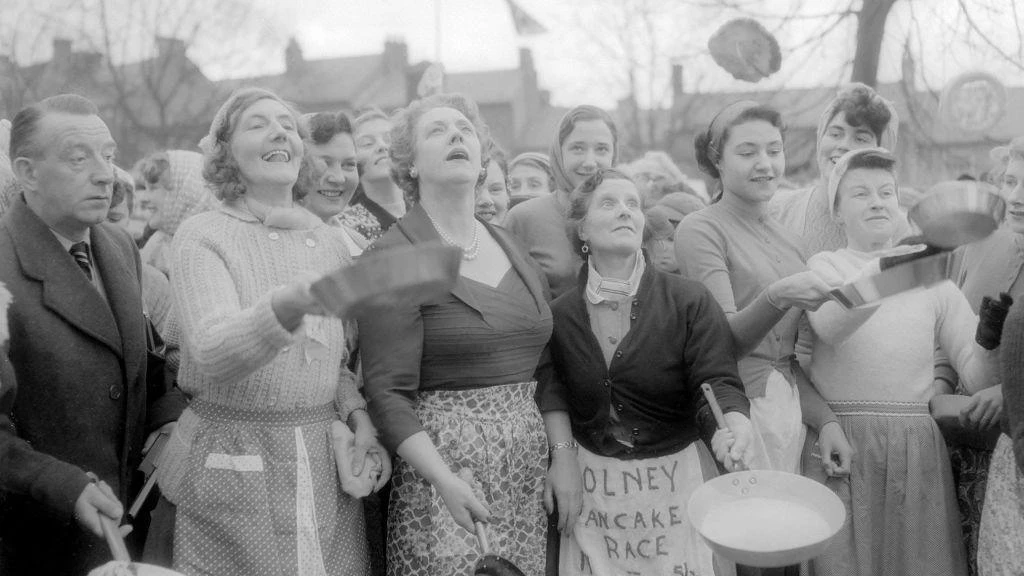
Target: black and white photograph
{"x":512,"y":288}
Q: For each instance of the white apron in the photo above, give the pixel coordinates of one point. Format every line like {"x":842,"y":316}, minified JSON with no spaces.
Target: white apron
{"x":779,"y":432}
{"x":634,"y":519}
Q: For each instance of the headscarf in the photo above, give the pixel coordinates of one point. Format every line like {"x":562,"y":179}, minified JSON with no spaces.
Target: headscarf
{"x":842,"y":166}
{"x":889,"y":134}
{"x":572,"y":117}
{"x":821,"y":232}
{"x":188,"y":193}
{"x":539,"y":159}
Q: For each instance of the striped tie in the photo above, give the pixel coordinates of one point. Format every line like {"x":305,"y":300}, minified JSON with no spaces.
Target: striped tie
{"x":80,"y":252}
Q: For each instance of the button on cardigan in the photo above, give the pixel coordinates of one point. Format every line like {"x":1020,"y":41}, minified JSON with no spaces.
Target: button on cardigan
{"x":678,"y":340}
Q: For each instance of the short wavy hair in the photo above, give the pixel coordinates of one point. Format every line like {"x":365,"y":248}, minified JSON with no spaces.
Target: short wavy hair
{"x":317,"y":128}
{"x":579,"y":203}
{"x":220,"y":168}
{"x":403,"y":136}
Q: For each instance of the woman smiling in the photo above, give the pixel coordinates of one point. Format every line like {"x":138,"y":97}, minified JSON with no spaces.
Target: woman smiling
{"x":251,"y":465}
{"x":586,"y":140}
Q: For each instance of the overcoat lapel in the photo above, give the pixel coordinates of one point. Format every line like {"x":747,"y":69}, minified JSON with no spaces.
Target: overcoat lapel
{"x":66,"y":291}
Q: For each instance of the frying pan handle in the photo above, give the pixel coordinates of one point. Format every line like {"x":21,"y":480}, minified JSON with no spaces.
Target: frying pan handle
{"x":709,"y":394}
{"x":719,"y":416}
{"x":481,"y":536}
{"x":114,"y":539}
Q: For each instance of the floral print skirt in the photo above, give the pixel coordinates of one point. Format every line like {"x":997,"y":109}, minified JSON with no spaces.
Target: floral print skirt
{"x":493,"y":438}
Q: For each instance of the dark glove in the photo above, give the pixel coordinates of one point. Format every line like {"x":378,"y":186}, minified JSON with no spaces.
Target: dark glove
{"x":991,"y":317}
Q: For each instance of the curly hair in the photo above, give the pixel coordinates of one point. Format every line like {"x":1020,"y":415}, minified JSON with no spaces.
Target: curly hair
{"x":579,"y":204}
{"x":220,"y":168}
{"x":154,"y":168}
{"x":860,"y":105}
{"x":403,"y":136}
{"x":317,"y":128}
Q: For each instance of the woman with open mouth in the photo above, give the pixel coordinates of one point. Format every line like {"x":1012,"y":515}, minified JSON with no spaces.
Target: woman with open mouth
{"x":755,"y":269}
{"x":451,"y":383}
{"x":251,"y":465}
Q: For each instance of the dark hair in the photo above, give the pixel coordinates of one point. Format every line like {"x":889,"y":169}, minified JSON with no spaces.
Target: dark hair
{"x":26,"y":122}
{"x":579,"y":203}
{"x":497,"y":155}
{"x":317,"y":128}
{"x":860,"y":106}
{"x":867,"y":159}
{"x":582,"y":113}
{"x":403,"y":136}
{"x":874,"y":161}
{"x":154,"y":167}
{"x":321,"y":127}
{"x":709,"y":152}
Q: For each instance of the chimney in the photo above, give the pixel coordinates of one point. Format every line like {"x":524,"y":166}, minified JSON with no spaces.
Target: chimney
{"x":396,"y":55}
{"x":525,"y":59}
{"x":167,"y":47}
{"x":677,"y":80}
{"x":293,"y":59}
{"x":62,"y":51}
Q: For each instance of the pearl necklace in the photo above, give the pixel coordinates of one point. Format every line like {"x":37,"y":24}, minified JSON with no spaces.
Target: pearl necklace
{"x":468,"y":252}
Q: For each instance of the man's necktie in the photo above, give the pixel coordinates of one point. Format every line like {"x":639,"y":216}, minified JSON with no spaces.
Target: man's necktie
{"x":80,"y":252}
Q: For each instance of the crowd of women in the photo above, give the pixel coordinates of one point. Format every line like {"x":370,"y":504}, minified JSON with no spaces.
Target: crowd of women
{"x":552,"y":398}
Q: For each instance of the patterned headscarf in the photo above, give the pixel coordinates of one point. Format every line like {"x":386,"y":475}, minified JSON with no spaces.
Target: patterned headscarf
{"x":188,"y":193}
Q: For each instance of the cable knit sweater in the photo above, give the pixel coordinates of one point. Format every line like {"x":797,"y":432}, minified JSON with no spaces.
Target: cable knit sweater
{"x":225,"y":267}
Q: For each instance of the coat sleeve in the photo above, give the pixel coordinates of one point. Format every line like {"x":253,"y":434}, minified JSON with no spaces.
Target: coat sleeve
{"x":52,"y":483}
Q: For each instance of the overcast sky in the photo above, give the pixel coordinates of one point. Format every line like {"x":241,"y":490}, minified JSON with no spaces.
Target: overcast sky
{"x":479,"y":35}
{"x":572,"y":64}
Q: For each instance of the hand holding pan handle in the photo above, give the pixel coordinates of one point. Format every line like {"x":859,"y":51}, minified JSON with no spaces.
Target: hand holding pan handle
{"x":115,"y":541}
{"x":709,"y":394}
{"x":490,"y":564}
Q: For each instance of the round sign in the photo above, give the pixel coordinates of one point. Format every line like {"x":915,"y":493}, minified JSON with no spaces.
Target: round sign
{"x":973,"y":102}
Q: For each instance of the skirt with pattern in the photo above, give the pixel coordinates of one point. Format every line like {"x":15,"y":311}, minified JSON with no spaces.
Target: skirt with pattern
{"x":901,"y":510}
{"x":492,"y":438}
{"x":1001,"y":538}
{"x":260,"y":495}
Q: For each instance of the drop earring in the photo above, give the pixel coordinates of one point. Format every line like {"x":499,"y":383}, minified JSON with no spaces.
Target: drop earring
{"x":413,"y":173}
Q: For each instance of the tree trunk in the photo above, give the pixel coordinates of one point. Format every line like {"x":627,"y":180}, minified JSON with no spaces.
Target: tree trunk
{"x":870,"y":31}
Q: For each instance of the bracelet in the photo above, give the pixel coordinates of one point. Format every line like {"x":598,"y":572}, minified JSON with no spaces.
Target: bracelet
{"x":570,"y":445}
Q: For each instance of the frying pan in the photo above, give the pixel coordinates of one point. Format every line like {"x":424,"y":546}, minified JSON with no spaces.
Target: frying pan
{"x":957,"y":213}
{"x":121,"y":558}
{"x":492,"y":564}
{"x":762,"y":513}
{"x":917,"y":273}
{"x":409,"y":274}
